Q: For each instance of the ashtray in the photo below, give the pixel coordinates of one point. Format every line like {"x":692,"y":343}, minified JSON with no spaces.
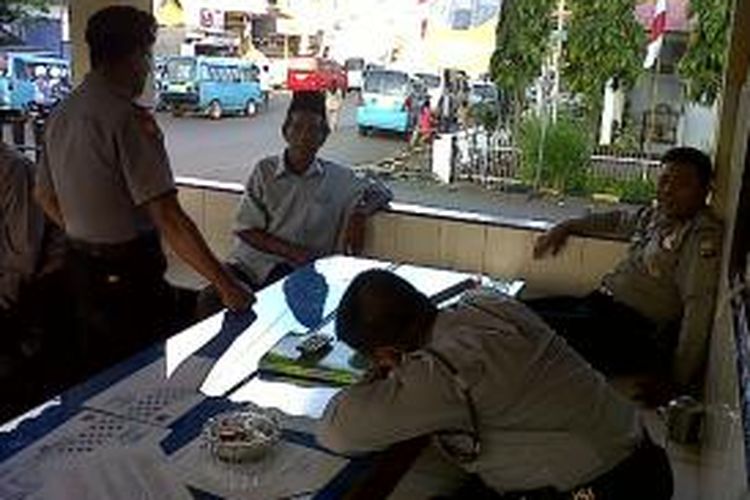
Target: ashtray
{"x":241,"y":436}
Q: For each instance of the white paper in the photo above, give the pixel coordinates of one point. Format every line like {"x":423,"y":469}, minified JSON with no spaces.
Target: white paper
{"x":114,"y":474}
{"x":289,"y":470}
{"x":25,"y":473}
{"x":150,"y":396}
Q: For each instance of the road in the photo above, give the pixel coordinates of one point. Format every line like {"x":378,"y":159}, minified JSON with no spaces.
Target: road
{"x":227,"y":149}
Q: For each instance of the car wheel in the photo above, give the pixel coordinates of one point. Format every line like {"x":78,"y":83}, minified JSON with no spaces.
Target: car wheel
{"x":177,"y":112}
{"x":251,"y":108}
{"x":363,"y":131}
{"x":214,"y":110}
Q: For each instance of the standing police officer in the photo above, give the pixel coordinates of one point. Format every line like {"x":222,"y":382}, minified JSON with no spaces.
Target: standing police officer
{"x":105,"y":178}
{"x":655,"y":308}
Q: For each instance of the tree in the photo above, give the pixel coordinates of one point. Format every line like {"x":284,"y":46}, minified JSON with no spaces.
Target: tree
{"x":605,"y":40}
{"x":13,"y":10}
{"x":522,"y":41}
{"x":704,"y":62}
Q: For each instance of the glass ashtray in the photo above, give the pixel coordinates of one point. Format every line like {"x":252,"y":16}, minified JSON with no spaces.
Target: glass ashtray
{"x":241,"y":436}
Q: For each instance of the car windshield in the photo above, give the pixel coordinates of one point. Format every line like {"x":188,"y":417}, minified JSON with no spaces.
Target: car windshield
{"x":387,"y":83}
{"x":430,"y":81}
{"x":355,"y":64}
{"x":484,"y":92}
{"x":180,"y":70}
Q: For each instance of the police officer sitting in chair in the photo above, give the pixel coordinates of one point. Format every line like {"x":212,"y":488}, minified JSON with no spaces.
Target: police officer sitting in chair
{"x":654,"y":310}
{"x":105,"y":178}
{"x":505,"y":399}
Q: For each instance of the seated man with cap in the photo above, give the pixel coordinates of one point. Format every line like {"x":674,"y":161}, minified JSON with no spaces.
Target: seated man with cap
{"x":504,"y":398}
{"x":298,"y":207}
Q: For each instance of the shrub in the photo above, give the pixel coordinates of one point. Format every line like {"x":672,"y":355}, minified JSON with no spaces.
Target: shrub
{"x":566,"y":153}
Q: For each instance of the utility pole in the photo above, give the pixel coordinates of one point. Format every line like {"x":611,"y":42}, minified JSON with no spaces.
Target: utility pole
{"x":557,"y":57}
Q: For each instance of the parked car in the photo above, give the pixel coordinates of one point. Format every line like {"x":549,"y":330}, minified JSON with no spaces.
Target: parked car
{"x":355,"y":68}
{"x":213,"y":86}
{"x":434,"y":87}
{"x":390,"y":101}
{"x":315,"y":73}
{"x":483,"y":93}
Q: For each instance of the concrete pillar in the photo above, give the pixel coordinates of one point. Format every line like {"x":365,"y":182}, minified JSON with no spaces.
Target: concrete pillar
{"x":737,"y":72}
{"x":80,"y":11}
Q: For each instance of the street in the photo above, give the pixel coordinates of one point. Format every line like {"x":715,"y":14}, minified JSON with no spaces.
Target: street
{"x":227,"y":149}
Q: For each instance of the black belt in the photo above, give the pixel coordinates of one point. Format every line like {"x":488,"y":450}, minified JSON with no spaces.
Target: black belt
{"x":146,"y":242}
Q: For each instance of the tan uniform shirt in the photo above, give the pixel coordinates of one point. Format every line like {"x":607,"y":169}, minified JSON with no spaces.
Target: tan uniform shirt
{"x":309,"y":210}
{"x":671,"y":273}
{"x":104,"y":158}
{"x":546,"y":418}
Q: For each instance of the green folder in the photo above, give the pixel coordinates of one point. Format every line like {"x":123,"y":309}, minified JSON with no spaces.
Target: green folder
{"x":337,"y":365}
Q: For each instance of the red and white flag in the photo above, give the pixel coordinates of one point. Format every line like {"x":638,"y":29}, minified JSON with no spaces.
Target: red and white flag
{"x":656,"y":38}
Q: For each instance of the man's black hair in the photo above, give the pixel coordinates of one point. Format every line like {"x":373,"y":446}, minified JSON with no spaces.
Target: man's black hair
{"x":379,"y":309}
{"x":311,"y":101}
{"x":117,"y":32}
{"x":698,"y":160}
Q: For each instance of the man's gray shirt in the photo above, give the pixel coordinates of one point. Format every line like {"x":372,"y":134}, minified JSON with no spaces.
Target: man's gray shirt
{"x":546,"y":418}
{"x":309,"y":210}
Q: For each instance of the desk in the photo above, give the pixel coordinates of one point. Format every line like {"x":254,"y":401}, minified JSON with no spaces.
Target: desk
{"x":136,"y":426}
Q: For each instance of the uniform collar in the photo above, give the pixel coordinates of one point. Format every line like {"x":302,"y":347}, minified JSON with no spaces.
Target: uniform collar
{"x":98,"y":80}
{"x":316,"y":168}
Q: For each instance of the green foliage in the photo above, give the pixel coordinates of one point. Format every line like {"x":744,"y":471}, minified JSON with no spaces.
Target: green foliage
{"x":566,"y":153}
{"x":484,"y":114}
{"x":636,"y":191}
{"x":522,"y":41}
{"x":13,"y":10}
{"x":704,"y":62}
{"x":605,"y":40}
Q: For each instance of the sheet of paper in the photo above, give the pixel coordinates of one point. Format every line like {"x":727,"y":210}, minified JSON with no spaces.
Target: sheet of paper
{"x":150,"y":396}
{"x":291,"y":398}
{"x":289,"y":470}
{"x":24,"y":474}
{"x":113,"y":473}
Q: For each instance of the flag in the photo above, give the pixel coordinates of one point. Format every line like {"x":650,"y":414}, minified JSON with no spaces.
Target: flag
{"x":656,"y":38}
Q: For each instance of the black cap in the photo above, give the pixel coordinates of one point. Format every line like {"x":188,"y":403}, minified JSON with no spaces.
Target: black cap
{"x":314,"y":102}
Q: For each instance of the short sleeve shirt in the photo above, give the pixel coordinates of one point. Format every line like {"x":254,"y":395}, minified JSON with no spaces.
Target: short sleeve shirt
{"x":104,"y":158}
{"x":307,"y":210}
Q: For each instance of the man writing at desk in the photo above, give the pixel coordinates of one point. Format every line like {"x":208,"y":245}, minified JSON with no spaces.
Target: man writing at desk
{"x":655,"y":308}
{"x":504,"y":397}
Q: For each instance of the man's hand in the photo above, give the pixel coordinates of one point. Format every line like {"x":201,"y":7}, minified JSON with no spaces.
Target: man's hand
{"x":552,"y":241}
{"x":236,"y":296}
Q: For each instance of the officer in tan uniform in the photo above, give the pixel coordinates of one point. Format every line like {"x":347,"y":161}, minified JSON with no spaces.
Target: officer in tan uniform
{"x":654,"y":310}
{"x":105,"y":178}
{"x":504,"y":398}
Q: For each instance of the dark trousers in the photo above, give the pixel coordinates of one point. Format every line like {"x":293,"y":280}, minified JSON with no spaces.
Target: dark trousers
{"x":611,"y":336}
{"x":645,"y":475}
{"x":122,"y":301}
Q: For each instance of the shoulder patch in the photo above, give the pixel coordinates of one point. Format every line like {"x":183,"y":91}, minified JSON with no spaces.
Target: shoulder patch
{"x":708,"y":247}
{"x":146,"y":122}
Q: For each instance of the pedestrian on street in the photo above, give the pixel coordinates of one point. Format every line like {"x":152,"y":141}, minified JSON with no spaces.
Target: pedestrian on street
{"x":105,"y":178}
{"x":334,"y":102}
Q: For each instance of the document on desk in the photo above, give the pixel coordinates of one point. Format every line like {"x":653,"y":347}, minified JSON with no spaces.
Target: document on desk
{"x":25,"y":474}
{"x":151,"y":396}
{"x":289,"y":470}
